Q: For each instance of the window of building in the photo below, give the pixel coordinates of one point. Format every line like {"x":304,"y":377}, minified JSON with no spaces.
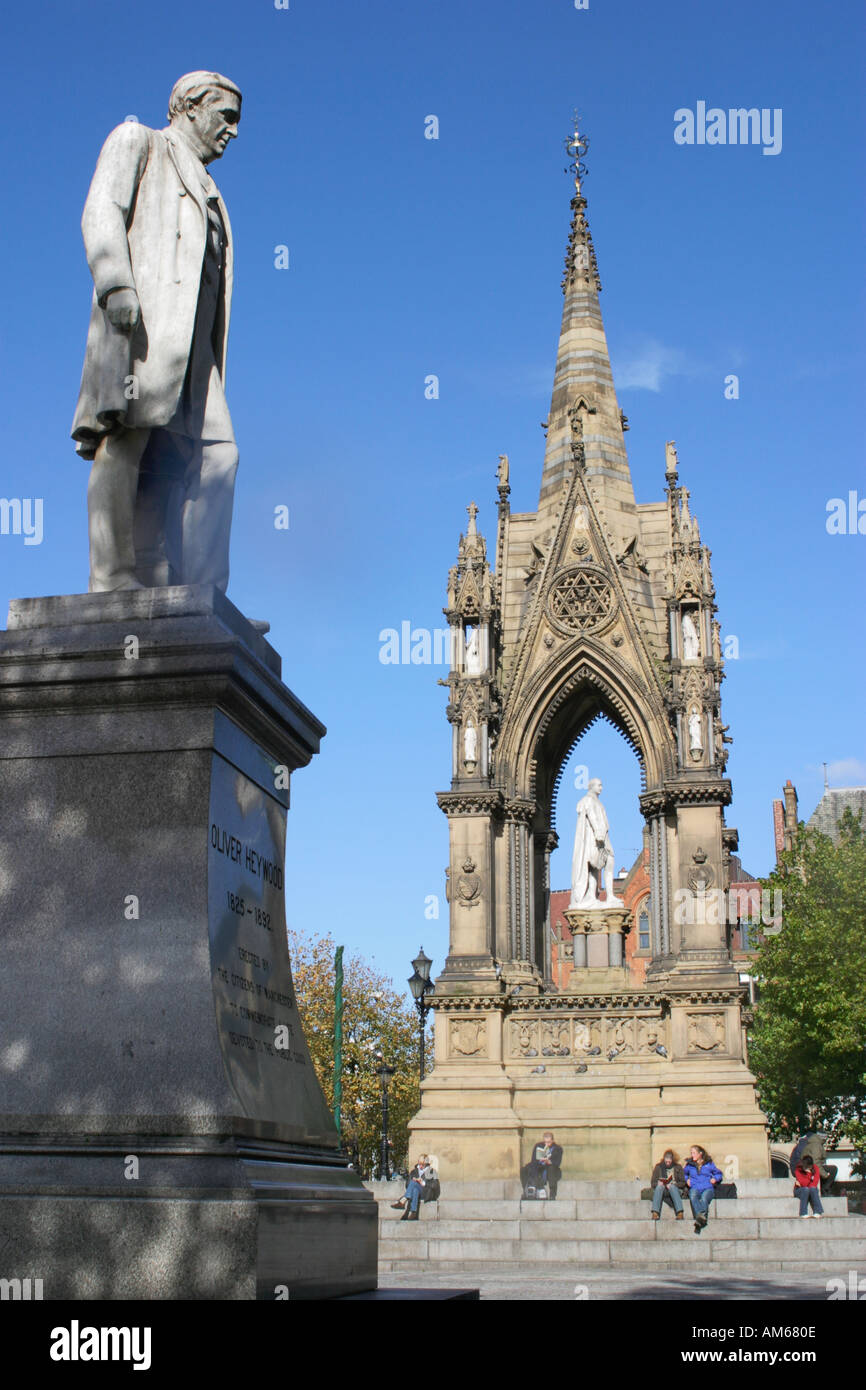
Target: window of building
{"x":643,"y":925}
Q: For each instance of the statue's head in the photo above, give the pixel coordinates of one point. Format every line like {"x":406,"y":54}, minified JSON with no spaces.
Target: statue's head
{"x":206,"y":108}
{"x":594,"y":785}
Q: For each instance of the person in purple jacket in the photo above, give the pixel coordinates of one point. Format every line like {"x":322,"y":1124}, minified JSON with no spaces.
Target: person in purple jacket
{"x":702,"y":1176}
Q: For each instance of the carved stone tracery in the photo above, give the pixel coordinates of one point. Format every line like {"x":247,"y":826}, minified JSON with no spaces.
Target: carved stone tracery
{"x":581,"y":601}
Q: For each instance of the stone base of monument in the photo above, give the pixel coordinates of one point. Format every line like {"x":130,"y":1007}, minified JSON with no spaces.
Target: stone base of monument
{"x":618,"y":1073}
{"x":599,"y":937}
{"x":162,"y":1131}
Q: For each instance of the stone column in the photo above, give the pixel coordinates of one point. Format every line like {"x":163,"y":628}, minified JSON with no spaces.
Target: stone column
{"x":521,"y":897}
{"x":598,"y":940}
{"x":472,"y":889}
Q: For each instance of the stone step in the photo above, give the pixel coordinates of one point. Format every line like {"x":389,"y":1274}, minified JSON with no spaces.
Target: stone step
{"x":500,"y":1189}
{"x":700,"y":1251}
{"x":553,"y":1232}
{"x":822,"y":1270}
{"x":474,"y":1209}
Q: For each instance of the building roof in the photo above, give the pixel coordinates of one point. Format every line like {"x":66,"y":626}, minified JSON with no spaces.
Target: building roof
{"x":832,"y":806}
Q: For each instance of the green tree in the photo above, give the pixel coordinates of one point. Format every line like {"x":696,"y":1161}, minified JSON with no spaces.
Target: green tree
{"x":809,"y":1031}
{"x":378,"y":1025}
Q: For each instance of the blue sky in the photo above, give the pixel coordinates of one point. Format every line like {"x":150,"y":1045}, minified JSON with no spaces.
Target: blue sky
{"x":411,"y":256}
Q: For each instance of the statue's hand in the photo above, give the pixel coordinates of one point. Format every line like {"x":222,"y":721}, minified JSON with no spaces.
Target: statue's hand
{"x":123,"y":309}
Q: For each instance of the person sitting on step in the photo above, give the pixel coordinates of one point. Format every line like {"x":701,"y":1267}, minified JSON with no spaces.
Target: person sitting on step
{"x":421,"y":1179}
{"x":668,"y":1180}
{"x":807,"y":1177}
{"x":540,"y":1176}
{"x":811,"y":1146}
{"x":702,"y":1175}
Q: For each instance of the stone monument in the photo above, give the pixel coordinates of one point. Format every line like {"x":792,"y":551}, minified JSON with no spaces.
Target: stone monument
{"x":591,"y":605}
{"x":162,"y":1131}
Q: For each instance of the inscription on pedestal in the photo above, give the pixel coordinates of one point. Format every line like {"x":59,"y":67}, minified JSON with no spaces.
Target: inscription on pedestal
{"x":263,"y":1047}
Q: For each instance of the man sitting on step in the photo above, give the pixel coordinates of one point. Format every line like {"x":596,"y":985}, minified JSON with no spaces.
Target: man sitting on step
{"x":540,"y":1176}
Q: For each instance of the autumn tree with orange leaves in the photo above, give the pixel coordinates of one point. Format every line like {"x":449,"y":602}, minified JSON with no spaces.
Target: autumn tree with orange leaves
{"x":379,"y":1024}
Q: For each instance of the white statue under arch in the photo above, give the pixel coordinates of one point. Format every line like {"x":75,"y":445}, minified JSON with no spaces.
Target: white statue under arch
{"x":592,"y":865}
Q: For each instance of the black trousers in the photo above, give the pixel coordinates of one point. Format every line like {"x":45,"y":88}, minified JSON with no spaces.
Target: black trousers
{"x":536,"y":1174}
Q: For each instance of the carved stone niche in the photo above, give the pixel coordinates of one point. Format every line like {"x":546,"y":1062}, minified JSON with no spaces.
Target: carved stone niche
{"x":467,"y":1037}
{"x":706,"y":1033}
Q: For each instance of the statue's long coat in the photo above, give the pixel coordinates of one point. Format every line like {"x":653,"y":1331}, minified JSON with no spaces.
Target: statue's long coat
{"x":144,"y":227}
{"x":592,"y":826}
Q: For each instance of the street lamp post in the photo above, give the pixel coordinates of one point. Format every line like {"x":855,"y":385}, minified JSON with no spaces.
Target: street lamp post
{"x":384,"y":1074}
{"x":421,"y":986}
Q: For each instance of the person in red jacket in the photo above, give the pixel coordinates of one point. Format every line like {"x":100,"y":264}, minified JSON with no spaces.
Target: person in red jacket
{"x":808,"y":1188}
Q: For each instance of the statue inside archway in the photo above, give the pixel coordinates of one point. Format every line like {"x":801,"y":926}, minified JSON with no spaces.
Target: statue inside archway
{"x":592,"y":865}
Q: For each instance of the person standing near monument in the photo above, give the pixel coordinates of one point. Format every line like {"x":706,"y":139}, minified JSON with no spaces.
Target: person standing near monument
{"x":593,"y":856}
{"x":808,"y":1187}
{"x":152,"y":412}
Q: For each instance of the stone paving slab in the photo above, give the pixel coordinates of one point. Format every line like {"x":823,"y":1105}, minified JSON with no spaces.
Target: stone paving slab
{"x":572,"y":1281}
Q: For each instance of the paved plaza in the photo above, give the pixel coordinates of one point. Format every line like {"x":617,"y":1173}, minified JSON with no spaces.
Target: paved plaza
{"x":505,"y":1281}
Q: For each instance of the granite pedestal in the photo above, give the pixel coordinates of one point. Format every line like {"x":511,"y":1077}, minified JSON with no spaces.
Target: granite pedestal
{"x":162,"y":1131}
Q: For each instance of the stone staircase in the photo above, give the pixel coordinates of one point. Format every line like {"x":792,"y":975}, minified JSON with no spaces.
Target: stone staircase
{"x":606,"y":1224}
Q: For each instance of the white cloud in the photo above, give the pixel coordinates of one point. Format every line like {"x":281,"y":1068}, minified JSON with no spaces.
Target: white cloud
{"x":847,"y":772}
{"x":645,"y":365}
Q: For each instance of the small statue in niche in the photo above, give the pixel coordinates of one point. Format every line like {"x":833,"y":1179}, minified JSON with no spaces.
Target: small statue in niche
{"x":473,"y":651}
{"x":691,"y":641}
{"x":470,"y":744}
{"x":696,"y":741}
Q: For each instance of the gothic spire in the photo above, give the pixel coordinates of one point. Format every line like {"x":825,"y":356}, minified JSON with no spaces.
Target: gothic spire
{"x":583,"y":377}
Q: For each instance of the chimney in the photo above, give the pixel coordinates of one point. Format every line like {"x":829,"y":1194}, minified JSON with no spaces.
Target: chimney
{"x":790,"y":795}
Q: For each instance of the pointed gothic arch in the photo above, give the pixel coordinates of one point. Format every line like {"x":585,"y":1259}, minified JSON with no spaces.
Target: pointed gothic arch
{"x":560,"y":703}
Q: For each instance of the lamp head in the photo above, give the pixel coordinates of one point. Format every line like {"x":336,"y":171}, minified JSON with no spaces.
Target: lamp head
{"x":421,"y":964}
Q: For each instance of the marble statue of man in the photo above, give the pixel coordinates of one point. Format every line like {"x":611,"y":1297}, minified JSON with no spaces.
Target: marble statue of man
{"x":691,"y":643}
{"x":593,"y":858}
{"x":152,"y":412}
